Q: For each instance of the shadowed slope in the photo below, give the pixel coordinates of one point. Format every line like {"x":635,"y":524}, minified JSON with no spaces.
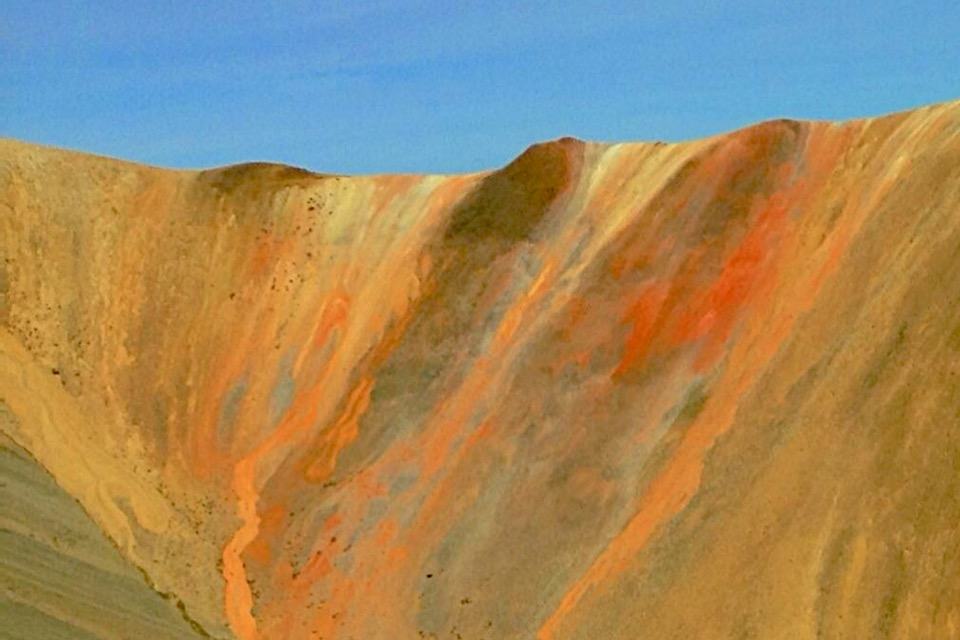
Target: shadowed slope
{"x":60,"y":577}
{"x":638,"y":390}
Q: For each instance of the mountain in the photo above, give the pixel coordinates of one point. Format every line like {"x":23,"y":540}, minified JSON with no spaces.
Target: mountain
{"x":697,"y":390}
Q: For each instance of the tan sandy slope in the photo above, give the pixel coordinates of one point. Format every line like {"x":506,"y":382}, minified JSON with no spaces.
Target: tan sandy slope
{"x":696,"y":390}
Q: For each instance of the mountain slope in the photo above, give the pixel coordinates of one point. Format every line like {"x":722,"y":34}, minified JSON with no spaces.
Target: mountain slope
{"x":708,"y":389}
{"x":61,"y":577}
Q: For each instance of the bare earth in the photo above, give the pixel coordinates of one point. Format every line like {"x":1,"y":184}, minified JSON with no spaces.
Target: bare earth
{"x":645,"y":390}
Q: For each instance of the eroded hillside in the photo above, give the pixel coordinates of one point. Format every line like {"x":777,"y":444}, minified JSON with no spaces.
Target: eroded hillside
{"x":696,"y":390}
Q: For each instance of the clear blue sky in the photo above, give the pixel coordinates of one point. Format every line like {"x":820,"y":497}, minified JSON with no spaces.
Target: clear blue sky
{"x":361,"y":87}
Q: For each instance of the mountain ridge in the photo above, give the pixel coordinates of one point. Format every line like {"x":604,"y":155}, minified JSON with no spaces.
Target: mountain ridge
{"x":564,"y":398}
{"x":561,"y":138}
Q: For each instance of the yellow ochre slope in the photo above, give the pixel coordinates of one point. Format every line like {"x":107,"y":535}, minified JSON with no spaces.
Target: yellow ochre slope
{"x":698,"y":390}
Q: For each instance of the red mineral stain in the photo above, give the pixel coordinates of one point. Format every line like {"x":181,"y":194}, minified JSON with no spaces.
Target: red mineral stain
{"x":712,"y":314}
{"x":616,"y":285}
{"x":748,"y":277}
{"x":642,"y":315}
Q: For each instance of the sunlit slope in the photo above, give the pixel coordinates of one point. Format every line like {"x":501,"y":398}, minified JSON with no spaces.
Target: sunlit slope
{"x":708,"y":389}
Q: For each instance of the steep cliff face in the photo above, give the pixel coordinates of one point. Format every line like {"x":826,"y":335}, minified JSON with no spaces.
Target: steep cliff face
{"x":708,"y":389}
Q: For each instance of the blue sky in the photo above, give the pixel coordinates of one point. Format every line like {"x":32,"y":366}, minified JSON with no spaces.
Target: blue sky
{"x":364,"y":87}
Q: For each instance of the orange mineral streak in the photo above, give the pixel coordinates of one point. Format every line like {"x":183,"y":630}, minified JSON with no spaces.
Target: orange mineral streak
{"x":514,"y":316}
{"x":254,"y":329}
{"x":302,"y":414}
{"x":238,"y":599}
{"x":708,"y":314}
{"x":294,"y":425}
{"x":436,"y":451}
{"x":234,"y":358}
{"x":333,"y":314}
{"x":642,"y":315}
{"x":712,"y":315}
{"x":342,"y":433}
{"x":751,"y":273}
